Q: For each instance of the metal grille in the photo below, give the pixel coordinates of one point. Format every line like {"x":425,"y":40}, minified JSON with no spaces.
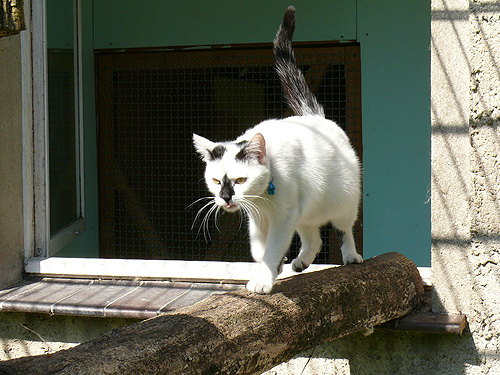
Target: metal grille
{"x":150,"y":104}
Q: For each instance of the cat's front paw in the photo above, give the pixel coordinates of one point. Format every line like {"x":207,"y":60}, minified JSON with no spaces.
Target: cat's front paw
{"x":352,"y":258}
{"x":260,"y":286}
{"x":298,"y":265}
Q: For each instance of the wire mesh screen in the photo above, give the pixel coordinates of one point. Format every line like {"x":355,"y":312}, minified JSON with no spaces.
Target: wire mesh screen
{"x":150,"y":104}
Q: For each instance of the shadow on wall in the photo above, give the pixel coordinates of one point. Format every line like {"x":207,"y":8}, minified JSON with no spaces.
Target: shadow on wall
{"x":465,"y":177}
{"x":26,"y":334}
{"x":388,"y":353}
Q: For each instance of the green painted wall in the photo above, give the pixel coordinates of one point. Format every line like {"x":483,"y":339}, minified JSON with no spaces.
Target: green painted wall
{"x":395,"y":65}
{"x":394,"y":37}
{"x":60,"y":14}
{"x":152,"y":23}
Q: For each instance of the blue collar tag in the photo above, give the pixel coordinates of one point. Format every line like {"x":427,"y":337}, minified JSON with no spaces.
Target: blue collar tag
{"x":271,"y":190}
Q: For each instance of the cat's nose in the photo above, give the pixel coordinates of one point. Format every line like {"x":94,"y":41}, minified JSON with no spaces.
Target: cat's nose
{"x":226,"y":197}
{"x":226,"y":191}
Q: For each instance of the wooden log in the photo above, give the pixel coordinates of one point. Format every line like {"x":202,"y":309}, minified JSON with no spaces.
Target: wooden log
{"x":243,"y":333}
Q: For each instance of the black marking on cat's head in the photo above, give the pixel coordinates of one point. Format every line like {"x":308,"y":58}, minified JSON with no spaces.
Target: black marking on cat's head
{"x":226,"y":191}
{"x":253,"y":150}
{"x":217,"y":153}
{"x":243,"y":155}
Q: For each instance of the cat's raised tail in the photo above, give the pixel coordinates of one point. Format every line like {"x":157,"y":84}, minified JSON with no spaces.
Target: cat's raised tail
{"x":298,"y":95}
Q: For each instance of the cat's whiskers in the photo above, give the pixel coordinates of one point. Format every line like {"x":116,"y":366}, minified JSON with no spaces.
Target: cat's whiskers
{"x":251,"y":209}
{"x":212,"y":201}
{"x":242,"y":214}
{"x":266,"y":200}
{"x":206,"y":218}
{"x":198,"y":200}
{"x":215,"y":218}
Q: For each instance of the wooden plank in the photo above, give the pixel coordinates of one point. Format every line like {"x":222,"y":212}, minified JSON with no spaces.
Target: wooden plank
{"x":429,"y":322}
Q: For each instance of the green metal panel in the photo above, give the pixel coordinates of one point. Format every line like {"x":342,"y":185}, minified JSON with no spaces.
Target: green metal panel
{"x":395,"y":60}
{"x":131,"y":23}
{"x":60,"y":21}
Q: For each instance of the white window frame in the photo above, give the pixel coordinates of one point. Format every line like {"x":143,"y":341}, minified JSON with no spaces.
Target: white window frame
{"x":44,"y":244}
{"x":39,"y":247}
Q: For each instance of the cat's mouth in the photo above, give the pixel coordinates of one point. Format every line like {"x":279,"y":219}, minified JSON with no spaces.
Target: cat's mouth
{"x":231,"y":207}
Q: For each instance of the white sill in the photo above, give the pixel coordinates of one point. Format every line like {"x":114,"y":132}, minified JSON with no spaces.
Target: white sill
{"x":231,"y":272}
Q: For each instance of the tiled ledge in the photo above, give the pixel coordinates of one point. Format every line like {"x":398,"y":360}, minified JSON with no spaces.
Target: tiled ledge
{"x":146,"y":299}
{"x":105,"y":298}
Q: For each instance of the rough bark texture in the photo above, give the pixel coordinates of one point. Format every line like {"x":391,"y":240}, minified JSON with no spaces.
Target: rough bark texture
{"x":11,"y":17}
{"x":244,"y":333}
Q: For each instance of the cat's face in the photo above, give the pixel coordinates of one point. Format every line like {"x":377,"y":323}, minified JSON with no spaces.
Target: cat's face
{"x":235,"y":172}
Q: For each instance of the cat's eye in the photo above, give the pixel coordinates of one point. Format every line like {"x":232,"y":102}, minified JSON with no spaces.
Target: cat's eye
{"x":241,"y":180}
{"x":215,"y":181}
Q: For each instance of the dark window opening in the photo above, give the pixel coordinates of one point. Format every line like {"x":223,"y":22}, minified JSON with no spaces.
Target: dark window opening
{"x":150,"y":104}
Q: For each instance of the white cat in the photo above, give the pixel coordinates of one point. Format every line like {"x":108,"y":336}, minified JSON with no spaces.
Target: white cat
{"x":288,"y":175}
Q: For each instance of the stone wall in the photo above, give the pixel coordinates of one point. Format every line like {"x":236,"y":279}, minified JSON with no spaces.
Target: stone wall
{"x":11,"y":188}
{"x":466,"y":265}
{"x":484,"y":121}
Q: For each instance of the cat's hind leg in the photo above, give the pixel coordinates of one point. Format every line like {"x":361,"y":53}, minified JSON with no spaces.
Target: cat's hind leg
{"x":348,"y":248}
{"x":311,"y":246}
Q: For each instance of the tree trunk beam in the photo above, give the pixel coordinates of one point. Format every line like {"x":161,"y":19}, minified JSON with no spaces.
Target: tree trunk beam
{"x":243,"y":333}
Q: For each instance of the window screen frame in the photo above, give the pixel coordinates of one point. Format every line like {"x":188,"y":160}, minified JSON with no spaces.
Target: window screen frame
{"x":110,"y":63}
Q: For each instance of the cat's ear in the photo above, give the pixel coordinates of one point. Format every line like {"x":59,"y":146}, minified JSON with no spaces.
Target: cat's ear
{"x":204,"y":147}
{"x":257,"y":148}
